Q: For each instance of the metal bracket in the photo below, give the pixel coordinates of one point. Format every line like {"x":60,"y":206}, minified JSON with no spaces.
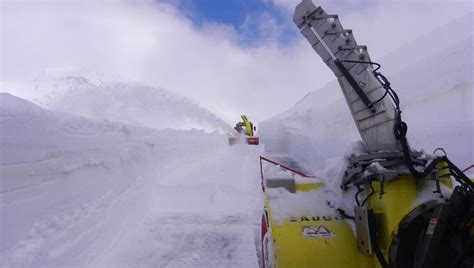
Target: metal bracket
{"x":362,"y":230}
{"x":361,"y":171}
{"x":286,"y":183}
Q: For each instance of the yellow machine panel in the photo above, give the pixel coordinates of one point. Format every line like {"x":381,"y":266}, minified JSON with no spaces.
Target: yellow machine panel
{"x":329,"y":241}
{"x":315,"y":241}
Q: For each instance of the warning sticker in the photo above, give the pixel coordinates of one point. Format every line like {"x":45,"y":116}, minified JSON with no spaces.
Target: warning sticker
{"x":317,"y":231}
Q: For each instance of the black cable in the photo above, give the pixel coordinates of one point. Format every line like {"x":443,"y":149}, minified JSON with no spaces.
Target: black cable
{"x":364,"y":62}
{"x":460,"y":176}
{"x":401,"y":129}
{"x":381,"y":98}
{"x":400,"y":132}
{"x":345,"y":215}
{"x":360,"y":190}
{"x":382,"y":79}
{"x":369,"y":195}
{"x":355,"y":86}
{"x":373,"y":239}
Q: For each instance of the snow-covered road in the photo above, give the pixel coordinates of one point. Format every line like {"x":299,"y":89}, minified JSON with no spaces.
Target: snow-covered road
{"x":82,"y":193}
{"x":203,"y":215}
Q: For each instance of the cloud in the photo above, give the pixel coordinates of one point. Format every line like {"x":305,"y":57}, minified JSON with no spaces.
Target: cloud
{"x":157,"y":44}
{"x":385,"y":25}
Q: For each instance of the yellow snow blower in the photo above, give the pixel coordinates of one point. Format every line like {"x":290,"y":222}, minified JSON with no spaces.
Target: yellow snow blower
{"x":409,"y":209}
{"x":244,"y":132}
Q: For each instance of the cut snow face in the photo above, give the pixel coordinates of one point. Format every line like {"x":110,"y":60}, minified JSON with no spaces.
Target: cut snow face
{"x":436,"y":92}
{"x":128,"y":103}
{"x":76,"y":192}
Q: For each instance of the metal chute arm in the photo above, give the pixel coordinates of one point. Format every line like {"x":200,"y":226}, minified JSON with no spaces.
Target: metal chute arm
{"x":375,"y":117}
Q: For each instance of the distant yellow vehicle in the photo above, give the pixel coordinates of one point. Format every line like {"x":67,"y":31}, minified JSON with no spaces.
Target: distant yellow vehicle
{"x":244,"y":129}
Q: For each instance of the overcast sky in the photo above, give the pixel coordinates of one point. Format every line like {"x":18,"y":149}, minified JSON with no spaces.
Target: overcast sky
{"x":231,"y":56}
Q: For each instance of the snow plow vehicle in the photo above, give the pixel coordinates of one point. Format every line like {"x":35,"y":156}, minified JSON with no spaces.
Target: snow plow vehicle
{"x":244,"y":133}
{"x":407,"y":209}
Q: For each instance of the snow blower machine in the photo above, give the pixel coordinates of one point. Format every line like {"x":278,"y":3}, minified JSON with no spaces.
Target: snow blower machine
{"x":244,"y":133}
{"x":406,"y":209}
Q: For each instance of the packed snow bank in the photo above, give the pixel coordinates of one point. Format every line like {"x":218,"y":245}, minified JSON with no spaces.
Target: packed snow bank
{"x":79,"y":192}
{"x":76,"y":158}
{"x":436,"y":93}
{"x":128,"y":103}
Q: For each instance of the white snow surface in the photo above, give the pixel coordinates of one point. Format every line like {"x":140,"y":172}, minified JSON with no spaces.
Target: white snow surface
{"x":126,"y":102}
{"x":76,"y":192}
{"x":283,"y":204}
{"x":435,"y":86}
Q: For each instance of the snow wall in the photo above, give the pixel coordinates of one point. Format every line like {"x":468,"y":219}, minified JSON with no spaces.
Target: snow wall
{"x":61,"y":174}
{"x":125,"y":102}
